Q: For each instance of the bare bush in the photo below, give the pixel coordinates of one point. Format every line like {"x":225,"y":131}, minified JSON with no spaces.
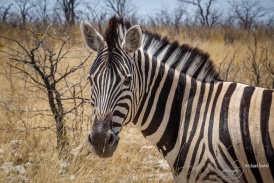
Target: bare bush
{"x":228,"y":68}
{"x":39,"y":61}
{"x":269,"y":65}
{"x":255,"y":59}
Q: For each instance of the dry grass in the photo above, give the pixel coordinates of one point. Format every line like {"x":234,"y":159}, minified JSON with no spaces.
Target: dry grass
{"x":28,"y":143}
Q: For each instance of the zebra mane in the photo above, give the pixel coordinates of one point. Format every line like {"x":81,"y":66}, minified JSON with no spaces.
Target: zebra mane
{"x":116,"y":32}
{"x":183,"y":58}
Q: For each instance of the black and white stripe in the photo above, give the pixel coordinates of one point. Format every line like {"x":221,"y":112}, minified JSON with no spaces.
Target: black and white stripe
{"x":206,"y":129}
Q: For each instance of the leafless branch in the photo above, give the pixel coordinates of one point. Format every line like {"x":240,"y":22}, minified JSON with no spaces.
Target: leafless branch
{"x":42,"y":68}
{"x":247,"y":13}
{"x":121,"y":8}
{"x":207,"y":14}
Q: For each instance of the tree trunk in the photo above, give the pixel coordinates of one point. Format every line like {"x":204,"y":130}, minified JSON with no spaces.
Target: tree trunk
{"x":57,"y":111}
{"x":62,"y":141}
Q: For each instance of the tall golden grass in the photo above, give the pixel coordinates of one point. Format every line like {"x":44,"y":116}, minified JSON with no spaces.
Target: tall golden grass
{"x":28,"y":150}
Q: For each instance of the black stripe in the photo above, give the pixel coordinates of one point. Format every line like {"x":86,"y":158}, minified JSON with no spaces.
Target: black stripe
{"x":223,"y":128}
{"x":124,"y":105}
{"x":146,"y":64}
{"x":153,"y":93}
{"x":153,"y":69}
{"x":189,"y":61}
{"x":139,"y":68}
{"x":201,"y":135}
{"x":164,"y":44}
{"x":114,"y":124}
{"x":210,"y":126}
{"x":202,"y":153}
{"x":243,"y":114}
{"x":207,"y":162}
{"x":209,"y":177}
{"x":226,"y":159}
{"x":265,"y":114}
{"x":181,"y":54}
{"x":181,"y":157}
{"x":161,"y":103}
{"x":148,"y":42}
{"x":118,"y":113}
{"x":172,"y":47}
{"x":170,"y":135}
{"x":198,"y":69}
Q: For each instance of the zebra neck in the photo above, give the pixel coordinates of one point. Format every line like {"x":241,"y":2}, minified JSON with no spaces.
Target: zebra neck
{"x":165,"y":97}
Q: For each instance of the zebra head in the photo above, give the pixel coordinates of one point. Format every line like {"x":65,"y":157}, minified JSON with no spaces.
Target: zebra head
{"x":111,"y":77}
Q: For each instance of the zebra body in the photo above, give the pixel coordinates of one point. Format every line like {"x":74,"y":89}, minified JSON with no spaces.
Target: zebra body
{"x":201,"y":128}
{"x":206,"y":129}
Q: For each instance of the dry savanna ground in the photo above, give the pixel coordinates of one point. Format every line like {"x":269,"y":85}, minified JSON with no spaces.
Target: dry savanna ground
{"x":28,"y":150}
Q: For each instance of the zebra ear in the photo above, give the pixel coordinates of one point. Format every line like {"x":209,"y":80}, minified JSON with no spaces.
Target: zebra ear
{"x":92,"y":38}
{"x":133,"y":39}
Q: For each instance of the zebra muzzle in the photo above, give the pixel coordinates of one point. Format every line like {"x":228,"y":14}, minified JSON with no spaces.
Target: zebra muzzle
{"x":102,"y":139}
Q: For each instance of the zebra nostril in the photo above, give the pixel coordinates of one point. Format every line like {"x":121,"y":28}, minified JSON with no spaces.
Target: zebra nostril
{"x":89,"y":139}
{"x":111,"y":139}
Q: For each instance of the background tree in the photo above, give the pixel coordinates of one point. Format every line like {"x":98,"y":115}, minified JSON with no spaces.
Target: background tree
{"x":23,"y":8}
{"x":206,"y":13}
{"x":121,"y":8}
{"x":5,"y":12}
{"x":68,"y":7}
{"x":96,"y":15}
{"x":172,"y":20}
{"x":42,"y":8}
{"x":269,"y":65}
{"x":247,"y":13}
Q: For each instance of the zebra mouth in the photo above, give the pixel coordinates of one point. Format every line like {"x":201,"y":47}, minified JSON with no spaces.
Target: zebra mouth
{"x":104,"y":148}
{"x":116,"y":138}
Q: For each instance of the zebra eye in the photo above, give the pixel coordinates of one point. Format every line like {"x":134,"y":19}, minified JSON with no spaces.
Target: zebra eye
{"x":127,"y":80}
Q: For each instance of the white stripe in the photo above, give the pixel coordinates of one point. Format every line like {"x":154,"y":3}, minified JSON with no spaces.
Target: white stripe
{"x":163,"y":53}
{"x":154,"y":138}
{"x":173,"y":57}
{"x":182,"y":63}
{"x":172,"y":155}
{"x":254,"y":119}
{"x":271,"y":121}
{"x":138,"y":124}
{"x":194,"y":66}
{"x":234,"y":129}
{"x":156,"y":98}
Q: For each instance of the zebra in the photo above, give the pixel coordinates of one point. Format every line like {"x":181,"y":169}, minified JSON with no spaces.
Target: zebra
{"x":208,"y":130}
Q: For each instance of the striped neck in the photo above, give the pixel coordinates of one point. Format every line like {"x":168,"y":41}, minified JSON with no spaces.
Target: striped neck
{"x":165,"y":107}
{"x":162,"y":92}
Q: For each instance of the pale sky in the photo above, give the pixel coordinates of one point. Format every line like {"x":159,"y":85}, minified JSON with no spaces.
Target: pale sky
{"x":148,"y":7}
